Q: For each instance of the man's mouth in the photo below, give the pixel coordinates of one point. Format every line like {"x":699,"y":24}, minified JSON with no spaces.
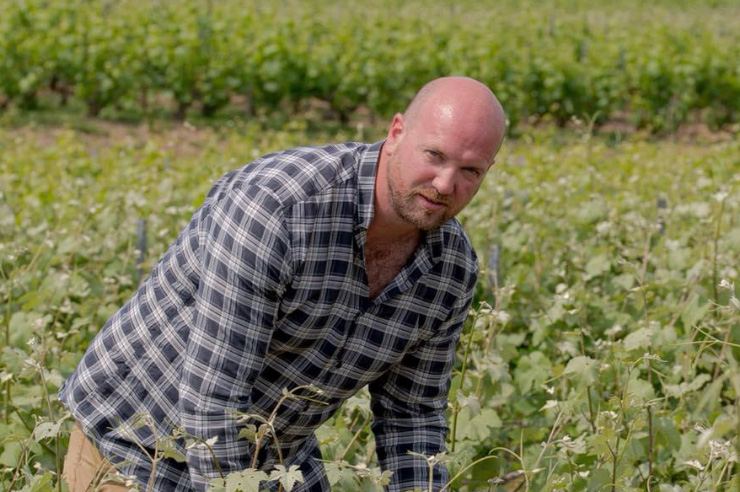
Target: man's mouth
{"x":433,"y":203}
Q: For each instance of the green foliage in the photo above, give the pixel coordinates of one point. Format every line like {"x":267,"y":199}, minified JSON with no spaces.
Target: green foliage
{"x":658,"y":65}
{"x":602,"y":356}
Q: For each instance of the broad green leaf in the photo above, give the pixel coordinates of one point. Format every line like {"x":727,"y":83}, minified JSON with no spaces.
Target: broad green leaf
{"x":287,"y":477}
{"x":471,"y":402}
{"x":46,"y":430}
{"x":694,"y":312}
{"x":678,"y":390}
{"x":40,"y":483}
{"x":624,"y":281}
{"x":583,"y":369}
{"x":532,"y":370}
{"x":639,"y":339}
{"x":248,"y":480}
{"x":642,"y":389}
{"x":337,"y":472}
{"x":477,"y":428}
{"x":667,"y":434}
{"x":11,"y":453}
{"x":599,"y":480}
{"x":597,"y":265}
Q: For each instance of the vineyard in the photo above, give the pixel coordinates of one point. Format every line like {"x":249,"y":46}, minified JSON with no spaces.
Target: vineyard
{"x":658,"y":66}
{"x":601,"y":351}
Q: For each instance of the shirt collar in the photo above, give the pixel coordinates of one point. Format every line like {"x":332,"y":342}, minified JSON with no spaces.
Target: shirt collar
{"x":366,"y":184}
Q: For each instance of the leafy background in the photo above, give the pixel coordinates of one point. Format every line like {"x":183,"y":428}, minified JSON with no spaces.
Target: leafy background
{"x":601,"y":351}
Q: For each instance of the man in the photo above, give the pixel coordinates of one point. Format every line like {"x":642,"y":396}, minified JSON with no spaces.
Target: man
{"x":336,"y":267}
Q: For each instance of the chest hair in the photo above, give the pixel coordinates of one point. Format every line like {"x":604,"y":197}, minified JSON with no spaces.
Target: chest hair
{"x":383,"y":262}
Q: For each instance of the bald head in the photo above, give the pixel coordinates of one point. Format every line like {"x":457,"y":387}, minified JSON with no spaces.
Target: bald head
{"x":460,"y":100}
{"x":436,"y":155}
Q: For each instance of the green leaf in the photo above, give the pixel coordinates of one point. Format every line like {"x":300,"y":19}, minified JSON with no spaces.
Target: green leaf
{"x":248,"y":480}
{"x":625,"y":281}
{"x":249,"y":432}
{"x":287,"y":478}
{"x":40,"y":483}
{"x":477,"y":428}
{"x":694,"y":312}
{"x":678,"y":390}
{"x":532,"y":370}
{"x":597,"y":265}
{"x":472,"y":403}
{"x":582,"y":369}
{"x":169,"y":449}
{"x":337,"y":471}
{"x":11,"y":453}
{"x":599,"y":480}
{"x":45,"y":430}
{"x":667,"y":434}
{"x":642,"y":389}
{"x":639,"y":339}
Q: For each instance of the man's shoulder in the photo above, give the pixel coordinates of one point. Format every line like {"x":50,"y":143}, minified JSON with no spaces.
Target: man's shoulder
{"x":300,"y":172}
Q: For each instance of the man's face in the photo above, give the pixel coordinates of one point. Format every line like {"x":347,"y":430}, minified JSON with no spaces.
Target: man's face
{"x":433,"y":172}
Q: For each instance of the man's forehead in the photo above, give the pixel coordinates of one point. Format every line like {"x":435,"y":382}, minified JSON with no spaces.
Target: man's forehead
{"x":454,"y":140}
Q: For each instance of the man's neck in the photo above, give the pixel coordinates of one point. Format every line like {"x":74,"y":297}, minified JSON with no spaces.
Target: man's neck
{"x":386,"y":252}
{"x":380,"y":234}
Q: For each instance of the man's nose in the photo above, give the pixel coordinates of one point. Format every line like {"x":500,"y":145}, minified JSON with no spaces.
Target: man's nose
{"x":444,"y":181}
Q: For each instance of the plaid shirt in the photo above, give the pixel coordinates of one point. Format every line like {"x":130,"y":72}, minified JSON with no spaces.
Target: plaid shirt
{"x":266,"y":289}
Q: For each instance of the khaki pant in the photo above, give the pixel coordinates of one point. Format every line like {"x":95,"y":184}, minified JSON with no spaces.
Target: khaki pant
{"x":85,"y":469}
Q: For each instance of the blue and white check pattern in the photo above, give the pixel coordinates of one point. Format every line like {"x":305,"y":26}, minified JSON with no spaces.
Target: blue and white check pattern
{"x":266,"y":289}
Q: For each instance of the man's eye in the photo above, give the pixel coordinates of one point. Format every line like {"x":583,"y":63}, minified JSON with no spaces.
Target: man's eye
{"x":434,"y":154}
{"x":472,"y":171}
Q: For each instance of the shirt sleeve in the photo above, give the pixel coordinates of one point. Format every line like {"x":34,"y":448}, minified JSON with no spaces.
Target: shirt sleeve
{"x":409,"y":405}
{"x":244,"y":257}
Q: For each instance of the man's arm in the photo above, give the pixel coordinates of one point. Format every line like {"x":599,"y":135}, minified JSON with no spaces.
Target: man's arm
{"x":409,"y":404}
{"x":244,"y":258}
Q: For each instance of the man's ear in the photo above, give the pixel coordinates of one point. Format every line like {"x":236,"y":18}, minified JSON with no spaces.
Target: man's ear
{"x":395,"y":133}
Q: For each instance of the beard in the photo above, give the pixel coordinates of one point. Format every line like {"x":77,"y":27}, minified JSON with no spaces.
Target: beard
{"x":405,"y":203}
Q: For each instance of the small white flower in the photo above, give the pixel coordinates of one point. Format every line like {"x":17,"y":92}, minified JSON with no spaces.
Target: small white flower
{"x":724,"y":284}
{"x":718,"y":449}
{"x":694,"y":464}
{"x":672,"y":244}
{"x":502,"y":317}
{"x":720,"y":196}
{"x":609,"y":415}
{"x":603,"y":227}
{"x":550,"y":404}
{"x":614,"y":330}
